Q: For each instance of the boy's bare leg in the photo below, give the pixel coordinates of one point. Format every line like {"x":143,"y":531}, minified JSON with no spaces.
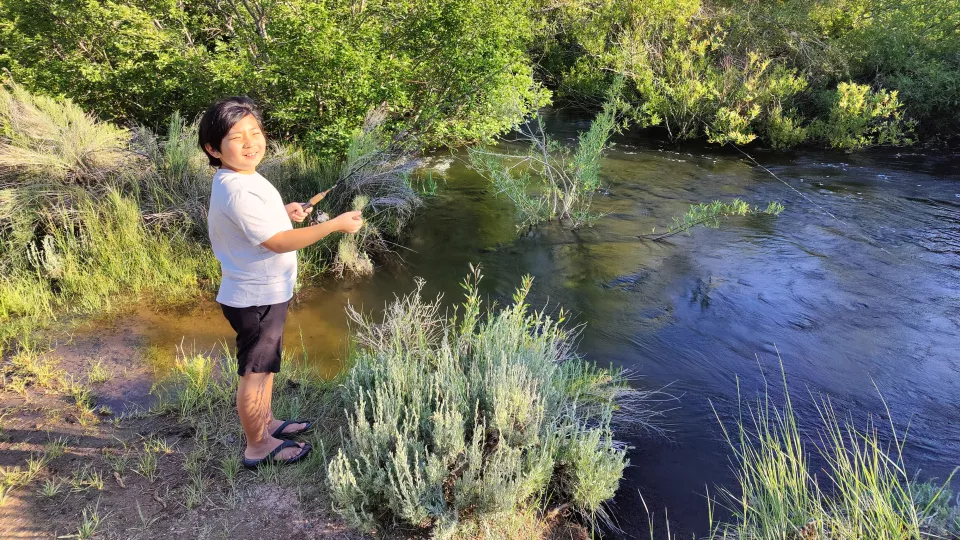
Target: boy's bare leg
{"x":273,"y":424}
{"x":254,"y":405}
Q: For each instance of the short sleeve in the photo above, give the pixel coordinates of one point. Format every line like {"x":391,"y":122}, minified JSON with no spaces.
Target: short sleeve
{"x":254,"y":217}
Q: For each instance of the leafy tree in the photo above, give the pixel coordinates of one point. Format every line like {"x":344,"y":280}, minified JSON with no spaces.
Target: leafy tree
{"x":456,"y":70}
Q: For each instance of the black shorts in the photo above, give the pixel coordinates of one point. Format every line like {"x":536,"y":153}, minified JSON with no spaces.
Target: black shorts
{"x":259,"y":336}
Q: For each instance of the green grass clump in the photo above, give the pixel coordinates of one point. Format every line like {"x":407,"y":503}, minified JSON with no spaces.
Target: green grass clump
{"x":93,"y":254}
{"x":352,"y":249}
{"x":455,"y":420}
{"x":861,"y":490}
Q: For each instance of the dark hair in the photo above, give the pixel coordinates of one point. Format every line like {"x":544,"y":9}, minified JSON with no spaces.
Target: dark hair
{"x":220,"y":117}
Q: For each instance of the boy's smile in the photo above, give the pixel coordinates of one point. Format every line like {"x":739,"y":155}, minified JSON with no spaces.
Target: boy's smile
{"x":241,"y":149}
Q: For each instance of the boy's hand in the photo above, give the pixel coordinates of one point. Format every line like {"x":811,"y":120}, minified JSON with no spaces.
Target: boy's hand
{"x":349,"y":222}
{"x":297,"y":212}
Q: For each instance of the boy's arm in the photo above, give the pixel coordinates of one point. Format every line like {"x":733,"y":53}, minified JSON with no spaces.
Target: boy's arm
{"x":294,"y":239}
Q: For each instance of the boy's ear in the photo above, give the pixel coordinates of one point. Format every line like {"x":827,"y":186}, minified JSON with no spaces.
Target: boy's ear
{"x":211,"y":151}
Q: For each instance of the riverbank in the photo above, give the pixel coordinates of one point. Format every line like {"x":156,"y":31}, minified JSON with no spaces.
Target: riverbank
{"x":94,"y":217}
{"x":88,"y":450}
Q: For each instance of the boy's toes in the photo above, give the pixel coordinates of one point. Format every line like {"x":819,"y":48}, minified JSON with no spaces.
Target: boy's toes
{"x":289,"y":429}
{"x":294,"y":428}
{"x":289,"y":453}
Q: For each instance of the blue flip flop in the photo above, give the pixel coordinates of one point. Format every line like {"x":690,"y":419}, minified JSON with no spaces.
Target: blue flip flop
{"x":254,"y":463}
{"x":279,"y":434}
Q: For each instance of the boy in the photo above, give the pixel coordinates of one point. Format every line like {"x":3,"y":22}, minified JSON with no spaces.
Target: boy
{"x":255,"y":242}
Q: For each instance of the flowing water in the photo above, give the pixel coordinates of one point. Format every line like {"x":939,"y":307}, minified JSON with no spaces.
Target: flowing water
{"x":854,"y":309}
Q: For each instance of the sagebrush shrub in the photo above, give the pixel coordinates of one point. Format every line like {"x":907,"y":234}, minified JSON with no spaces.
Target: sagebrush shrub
{"x":472,"y":416}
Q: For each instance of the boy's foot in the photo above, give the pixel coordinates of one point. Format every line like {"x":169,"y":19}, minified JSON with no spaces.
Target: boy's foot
{"x":290,"y":428}
{"x":276,"y":451}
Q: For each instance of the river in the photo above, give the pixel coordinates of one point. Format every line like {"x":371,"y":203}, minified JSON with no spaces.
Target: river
{"x":855,"y":287}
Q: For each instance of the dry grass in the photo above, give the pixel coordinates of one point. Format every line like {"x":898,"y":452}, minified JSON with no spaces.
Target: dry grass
{"x":48,"y":139}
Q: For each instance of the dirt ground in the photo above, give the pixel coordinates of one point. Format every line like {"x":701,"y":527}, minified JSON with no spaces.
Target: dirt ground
{"x":97,"y":470}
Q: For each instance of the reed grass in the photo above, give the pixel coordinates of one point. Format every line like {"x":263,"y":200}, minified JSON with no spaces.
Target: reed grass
{"x":552,"y":181}
{"x":861,"y":487}
{"x":45,"y":139}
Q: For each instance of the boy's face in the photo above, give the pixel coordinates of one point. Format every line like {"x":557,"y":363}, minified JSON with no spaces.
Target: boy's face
{"x":242,"y":147}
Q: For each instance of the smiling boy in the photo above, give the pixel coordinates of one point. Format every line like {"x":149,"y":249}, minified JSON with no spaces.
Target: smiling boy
{"x":253,"y":238}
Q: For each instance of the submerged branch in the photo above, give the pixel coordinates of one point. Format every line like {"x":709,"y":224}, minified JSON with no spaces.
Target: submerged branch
{"x":710,"y":214}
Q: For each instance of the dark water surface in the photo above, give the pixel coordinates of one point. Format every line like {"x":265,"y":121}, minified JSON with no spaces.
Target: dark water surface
{"x":870,"y":303}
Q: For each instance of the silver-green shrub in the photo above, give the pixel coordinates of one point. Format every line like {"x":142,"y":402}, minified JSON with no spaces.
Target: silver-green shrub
{"x":471,"y":416}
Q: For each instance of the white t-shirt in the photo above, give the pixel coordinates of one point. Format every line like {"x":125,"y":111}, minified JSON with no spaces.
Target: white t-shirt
{"x":245,"y":211}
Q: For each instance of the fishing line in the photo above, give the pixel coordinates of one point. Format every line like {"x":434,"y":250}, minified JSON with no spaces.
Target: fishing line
{"x":871,"y":241}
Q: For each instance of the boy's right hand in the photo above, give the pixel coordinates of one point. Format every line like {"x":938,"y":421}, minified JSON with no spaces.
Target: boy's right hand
{"x":349,"y":222}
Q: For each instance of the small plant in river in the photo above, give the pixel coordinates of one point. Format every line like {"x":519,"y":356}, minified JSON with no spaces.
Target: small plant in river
{"x":551,"y":181}
{"x":98,"y":374}
{"x":147,"y":465}
{"x":87,"y":477}
{"x":90,"y":522}
{"x":51,"y":487}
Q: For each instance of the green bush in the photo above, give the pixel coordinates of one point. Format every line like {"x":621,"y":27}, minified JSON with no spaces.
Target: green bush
{"x":733,"y":71}
{"x":861,"y":117}
{"x":682,"y":70}
{"x":470,"y":417}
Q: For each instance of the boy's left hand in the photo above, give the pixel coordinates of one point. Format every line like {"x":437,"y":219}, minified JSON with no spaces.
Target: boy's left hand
{"x":297,"y":212}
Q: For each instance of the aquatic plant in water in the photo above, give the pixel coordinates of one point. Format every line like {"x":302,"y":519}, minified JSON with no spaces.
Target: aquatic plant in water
{"x":551,"y":181}
{"x":463,"y":418}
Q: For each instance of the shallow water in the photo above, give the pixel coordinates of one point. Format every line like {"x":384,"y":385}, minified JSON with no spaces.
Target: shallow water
{"x":868,"y":300}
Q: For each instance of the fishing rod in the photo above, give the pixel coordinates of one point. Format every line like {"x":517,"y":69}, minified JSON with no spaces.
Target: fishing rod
{"x":318,"y":197}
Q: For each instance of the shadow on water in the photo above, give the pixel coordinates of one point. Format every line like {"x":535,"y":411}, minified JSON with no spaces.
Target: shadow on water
{"x":872,"y":300}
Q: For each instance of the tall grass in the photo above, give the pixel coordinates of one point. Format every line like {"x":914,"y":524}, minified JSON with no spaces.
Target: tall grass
{"x":173,"y":183}
{"x":94,"y":253}
{"x":860,"y":488}
{"x":454,"y":420}
{"x":48,"y":139}
{"x":78,"y":198}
